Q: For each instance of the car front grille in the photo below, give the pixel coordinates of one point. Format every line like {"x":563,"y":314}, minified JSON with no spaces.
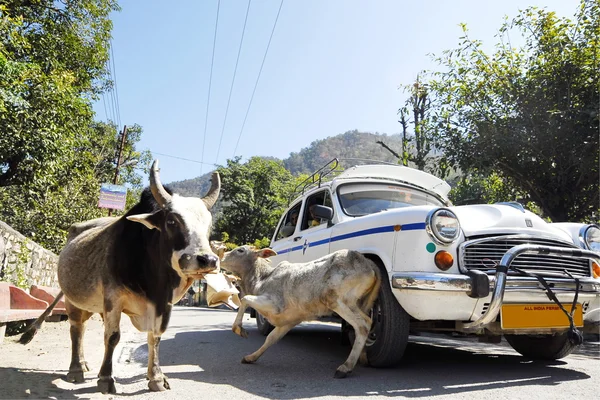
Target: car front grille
{"x":485,"y":253}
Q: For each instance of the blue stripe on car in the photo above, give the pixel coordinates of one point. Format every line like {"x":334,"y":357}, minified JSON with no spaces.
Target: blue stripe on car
{"x":364,"y":232}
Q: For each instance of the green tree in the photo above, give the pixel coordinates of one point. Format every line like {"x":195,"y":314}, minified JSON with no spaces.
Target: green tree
{"x":478,"y":188}
{"x":530,"y":114}
{"x":53,"y":58}
{"x":53,"y":156}
{"x":45,"y":208}
{"x":415,"y":116}
{"x":254,"y":195}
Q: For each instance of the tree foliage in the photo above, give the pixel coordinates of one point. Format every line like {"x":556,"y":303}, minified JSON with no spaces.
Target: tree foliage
{"x":53,"y":156}
{"x":45,"y":208}
{"x":478,"y":188}
{"x":418,"y":136}
{"x":254,"y":195}
{"x":530,"y":114}
{"x":52,"y":63}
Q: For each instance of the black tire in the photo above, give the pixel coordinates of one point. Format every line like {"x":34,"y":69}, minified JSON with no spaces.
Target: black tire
{"x":264,"y":327}
{"x":389,"y":334}
{"x":542,"y":347}
{"x":347,"y":338}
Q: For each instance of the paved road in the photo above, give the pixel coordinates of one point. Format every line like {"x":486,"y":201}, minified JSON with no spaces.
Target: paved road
{"x":201,"y":357}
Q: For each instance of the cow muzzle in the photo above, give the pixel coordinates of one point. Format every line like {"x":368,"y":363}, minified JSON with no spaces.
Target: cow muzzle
{"x":198,"y":263}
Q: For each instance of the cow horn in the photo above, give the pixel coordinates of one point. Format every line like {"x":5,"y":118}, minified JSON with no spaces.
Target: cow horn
{"x":158,"y":191}
{"x":213,"y":193}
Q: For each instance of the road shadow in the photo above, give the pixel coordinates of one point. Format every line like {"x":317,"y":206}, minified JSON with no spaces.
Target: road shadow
{"x":42,"y":384}
{"x":302,"y":364}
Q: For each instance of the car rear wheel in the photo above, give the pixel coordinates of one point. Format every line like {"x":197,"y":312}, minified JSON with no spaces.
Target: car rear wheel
{"x":542,"y":347}
{"x":264,"y":327}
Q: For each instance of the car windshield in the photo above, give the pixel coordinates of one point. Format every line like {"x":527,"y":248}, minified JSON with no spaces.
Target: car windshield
{"x":362,"y":199}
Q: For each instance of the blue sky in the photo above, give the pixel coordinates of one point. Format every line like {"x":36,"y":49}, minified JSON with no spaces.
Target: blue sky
{"x":332,"y":66}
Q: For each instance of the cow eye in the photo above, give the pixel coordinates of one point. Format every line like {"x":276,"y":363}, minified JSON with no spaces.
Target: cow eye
{"x":170,"y":221}
{"x":240,"y":250}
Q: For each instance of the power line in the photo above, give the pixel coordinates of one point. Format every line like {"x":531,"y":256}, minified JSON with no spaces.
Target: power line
{"x":212,"y":62}
{"x":116,"y":90}
{"x":233,"y":80}
{"x":258,"y":78}
{"x":181,"y":158}
{"x":111,"y":92}
{"x":105,"y":109}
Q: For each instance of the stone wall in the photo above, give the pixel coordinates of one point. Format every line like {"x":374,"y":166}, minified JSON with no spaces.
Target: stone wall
{"x":24,"y":262}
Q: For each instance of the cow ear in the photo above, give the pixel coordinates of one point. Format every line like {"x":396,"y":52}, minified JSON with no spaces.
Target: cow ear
{"x":150,"y":221}
{"x":266,"y":253}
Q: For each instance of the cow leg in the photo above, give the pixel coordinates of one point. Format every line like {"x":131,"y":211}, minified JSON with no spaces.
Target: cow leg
{"x":77,"y":320}
{"x":259,"y":303}
{"x":273,"y":338}
{"x":112,"y":335}
{"x":361,"y":324}
{"x":157,"y":380}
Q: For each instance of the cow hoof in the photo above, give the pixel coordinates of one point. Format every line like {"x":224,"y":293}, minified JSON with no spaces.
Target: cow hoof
{"x":107,"y":385}
{"x":238,"y":330}
{"x":159,"y":385}
{"x":75,"y":377}
{"x":340,"y":374}
{"x":245,"y":360}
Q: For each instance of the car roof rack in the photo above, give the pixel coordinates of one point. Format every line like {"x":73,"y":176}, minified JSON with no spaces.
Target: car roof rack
{"x":329,"y":171}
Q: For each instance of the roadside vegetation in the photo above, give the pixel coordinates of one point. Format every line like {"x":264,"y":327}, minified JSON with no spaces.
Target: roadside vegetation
{"x":54,"y":152}
{"x":519,"y":123}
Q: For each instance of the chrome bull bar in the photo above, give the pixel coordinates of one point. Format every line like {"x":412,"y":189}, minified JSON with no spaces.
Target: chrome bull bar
{"x":502,"y":272}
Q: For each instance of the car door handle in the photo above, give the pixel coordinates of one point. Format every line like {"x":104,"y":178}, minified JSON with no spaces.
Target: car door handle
{"x":297,"y":238}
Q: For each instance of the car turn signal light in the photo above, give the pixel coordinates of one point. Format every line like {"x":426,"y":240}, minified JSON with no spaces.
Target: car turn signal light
{"x":443,"y":260}
{"x":595,"y":270}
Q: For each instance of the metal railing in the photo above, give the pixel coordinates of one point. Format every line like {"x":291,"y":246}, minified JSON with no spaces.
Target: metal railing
{"x":502,"y":272}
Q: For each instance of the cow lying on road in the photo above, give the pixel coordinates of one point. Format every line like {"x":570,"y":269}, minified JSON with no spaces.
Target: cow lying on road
{"x":344,"y":282}
{"x":140,"y":264}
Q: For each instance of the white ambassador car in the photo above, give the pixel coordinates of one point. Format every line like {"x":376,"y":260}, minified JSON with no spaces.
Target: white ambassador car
{"x":488,"y":270}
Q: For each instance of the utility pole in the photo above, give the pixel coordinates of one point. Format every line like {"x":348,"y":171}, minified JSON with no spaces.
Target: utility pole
{"x":119,"y":157}
{"x":121,"y":147}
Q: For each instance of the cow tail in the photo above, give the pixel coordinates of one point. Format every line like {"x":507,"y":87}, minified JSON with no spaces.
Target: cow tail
{"x":373,"y":292}
{"x":37,"y":324}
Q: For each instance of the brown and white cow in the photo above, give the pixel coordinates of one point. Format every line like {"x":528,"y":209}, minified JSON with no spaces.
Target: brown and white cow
{"x":140,"y":264}
{"x":344,"y":282}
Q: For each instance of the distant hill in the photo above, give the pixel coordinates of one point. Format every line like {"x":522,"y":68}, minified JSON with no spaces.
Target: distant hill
{"x":352,"y":144}
{"x":195,"y":187}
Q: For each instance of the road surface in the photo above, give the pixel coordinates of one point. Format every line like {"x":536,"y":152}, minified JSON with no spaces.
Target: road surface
{"x":201,"y":357}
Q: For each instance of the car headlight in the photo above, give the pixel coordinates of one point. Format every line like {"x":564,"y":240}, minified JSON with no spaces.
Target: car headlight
{"x":589,"y":236}
{"x":442,"y":225}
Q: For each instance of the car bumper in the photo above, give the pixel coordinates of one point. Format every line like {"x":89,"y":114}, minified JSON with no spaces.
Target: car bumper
{"x":478,"y":298}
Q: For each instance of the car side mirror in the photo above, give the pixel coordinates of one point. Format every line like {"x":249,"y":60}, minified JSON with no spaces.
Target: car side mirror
{"x":323,"y":212}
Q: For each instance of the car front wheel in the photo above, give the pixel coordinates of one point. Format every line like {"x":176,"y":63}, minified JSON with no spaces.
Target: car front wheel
{"x":389,"y":333}
{"x":542,"y":347}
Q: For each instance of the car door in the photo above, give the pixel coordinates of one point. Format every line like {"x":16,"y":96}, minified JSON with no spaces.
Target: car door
{"x":311,"y":239}
{"x":283,"y":240}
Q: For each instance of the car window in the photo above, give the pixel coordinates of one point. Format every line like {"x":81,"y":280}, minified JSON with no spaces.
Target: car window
{"x":309,"y":220}
{"x":361,"y":199}
{"x":288,"y":225}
